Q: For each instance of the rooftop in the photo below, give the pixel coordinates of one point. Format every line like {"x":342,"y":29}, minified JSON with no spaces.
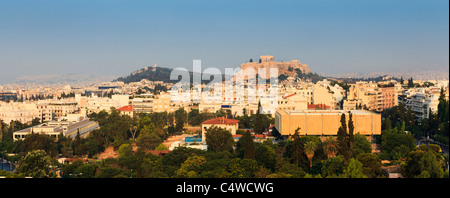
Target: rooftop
{"x":221,"y":120}
{"x":327,"y":112}
{"x":126,"y":108}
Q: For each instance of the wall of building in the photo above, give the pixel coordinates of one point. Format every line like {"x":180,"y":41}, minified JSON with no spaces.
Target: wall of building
{"x":325,"y":122}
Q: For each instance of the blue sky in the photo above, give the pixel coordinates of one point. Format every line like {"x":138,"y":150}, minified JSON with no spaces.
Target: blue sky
{"x":118,"y":37}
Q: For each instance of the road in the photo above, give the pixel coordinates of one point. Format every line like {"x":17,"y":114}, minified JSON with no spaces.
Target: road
{"x":427,"y":141}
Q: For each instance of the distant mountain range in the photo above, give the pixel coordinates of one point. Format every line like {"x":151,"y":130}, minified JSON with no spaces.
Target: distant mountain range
{"x":416,"y":75}
{"x":72,"y":79}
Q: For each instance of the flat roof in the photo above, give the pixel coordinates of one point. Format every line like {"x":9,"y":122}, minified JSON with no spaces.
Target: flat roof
{"x":326,"y":112}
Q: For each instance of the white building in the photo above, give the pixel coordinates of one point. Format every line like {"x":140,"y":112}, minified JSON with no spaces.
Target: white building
{"x":69,"y":126}
{"x":422,"y":101}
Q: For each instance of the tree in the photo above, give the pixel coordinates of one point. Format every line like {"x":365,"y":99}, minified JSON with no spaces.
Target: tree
{"x":430,"y":166}
{"x":371,"y":164}
{"x":297,"y":148}
{"x":343,"y":140}
{"x":354,"y":169}
{"x":35,"y":164}
{"x":265,"y":154}
{"x":219,"y":139}
{"x":113,"y":126}
{"x":410,"y":83}
{"x":172,"y":161}
{"x":361,"y":145}
{"x":180,"y":118}
{"x":330,"y":147}
{"x":125,"y":150}
{"x":310,"y":147}
{"x":148,"y":138}
{"x":161,"y":147}
{"x":191,"y":167}
{"x":148,"y":141}
{"x":243,"y":168}
{"x":86,"y":171}
{"x":111,"y":172}
{"x":333,"y":167}
{"x":133,"y":127}
{"x":40,"y":142}
{"x":412,"y":167}
{"x":351,"y":136}
{"x":77,"y":149}
{"x":259,"y":124}
{"x":396,"y":145}
{"x":245,"y":147}
{"x":194,"y":117}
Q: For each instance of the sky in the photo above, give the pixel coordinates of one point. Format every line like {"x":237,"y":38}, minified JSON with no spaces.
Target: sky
{"x":115,"y":37}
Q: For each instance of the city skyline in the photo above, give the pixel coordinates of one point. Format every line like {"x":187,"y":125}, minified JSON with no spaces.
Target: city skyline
{"x":116,"y":38}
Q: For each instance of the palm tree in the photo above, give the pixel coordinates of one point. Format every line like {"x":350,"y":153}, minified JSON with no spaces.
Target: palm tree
{"x":310,"y":147}
{"x":330,"y":147}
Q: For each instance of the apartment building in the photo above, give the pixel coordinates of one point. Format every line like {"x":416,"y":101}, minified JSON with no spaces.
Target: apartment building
{"x":52,"y":110}
{"x":142,"y":103}
{"x":95,"y":104}
{"x":370,"y":96}
{"x":24,"y":112}
{"x":422,"y":101}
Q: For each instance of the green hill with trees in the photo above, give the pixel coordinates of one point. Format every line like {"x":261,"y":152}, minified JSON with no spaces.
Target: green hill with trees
{"x":158,"y":74}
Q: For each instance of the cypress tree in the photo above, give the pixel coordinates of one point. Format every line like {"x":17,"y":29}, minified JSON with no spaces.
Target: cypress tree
{"x":246,"y":147}
{"x":297,"y":148}
{"x":342,"y":137}
{"x":351,"y":137}
{"x":258,"y":122}
{"x":387,"y":124}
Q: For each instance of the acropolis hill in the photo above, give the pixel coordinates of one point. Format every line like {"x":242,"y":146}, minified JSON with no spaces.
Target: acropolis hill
{"x":267,"y":62}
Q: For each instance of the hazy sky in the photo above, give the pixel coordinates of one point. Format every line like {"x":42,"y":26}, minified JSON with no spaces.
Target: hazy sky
{"x":118,"y":37}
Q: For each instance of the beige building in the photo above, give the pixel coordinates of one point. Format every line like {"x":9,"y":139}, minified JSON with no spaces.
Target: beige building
{"x":53,"y":110}
{"x":371,"y":96}
{"x":161,"y":103}
{"x":323,"y":95}
{"x":96,"y":104}
{"x":325,"y":122}
{"x":386,"y":98}
{"x":24,"y":112}
{"x":142,"y":103}
{"x":292,"y":102}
